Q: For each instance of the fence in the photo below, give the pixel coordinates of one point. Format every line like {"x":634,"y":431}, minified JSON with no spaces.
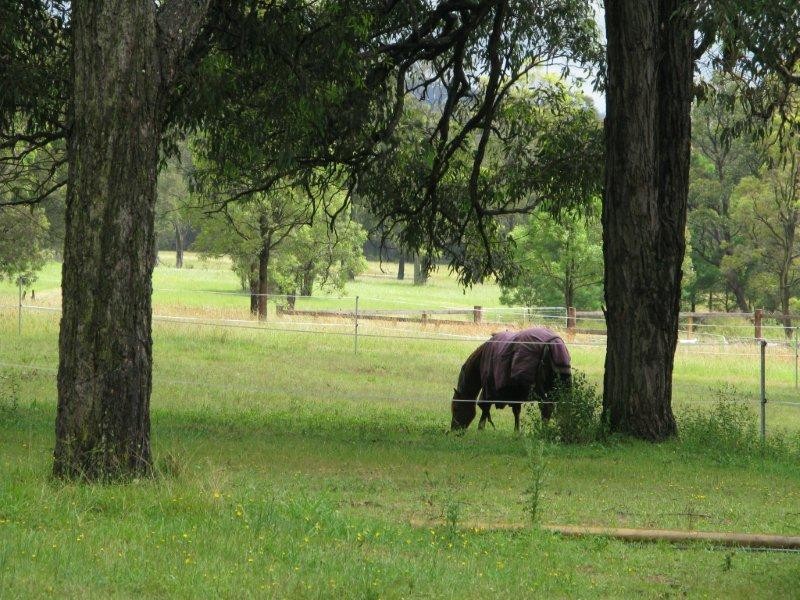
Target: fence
{"x":473,"y":324}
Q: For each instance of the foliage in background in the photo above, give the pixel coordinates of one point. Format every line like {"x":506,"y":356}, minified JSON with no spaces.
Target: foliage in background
{"x":23,"y":242}
{"x":559,"y":261}
{"x":767,"y":207}
{"x":173,"y":193}
{"x":719,"y":161}
{"x":280,"y":232}
{"x":544,"y":152}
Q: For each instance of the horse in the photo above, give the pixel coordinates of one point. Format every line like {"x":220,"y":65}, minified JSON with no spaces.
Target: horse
{"x":506,"y":369}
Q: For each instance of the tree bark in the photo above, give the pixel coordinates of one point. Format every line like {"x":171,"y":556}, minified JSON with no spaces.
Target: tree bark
{"x":644,"y":210}
{"x":125,"y":56}
{"x":105,"y":346}
{"x":401,"y":267}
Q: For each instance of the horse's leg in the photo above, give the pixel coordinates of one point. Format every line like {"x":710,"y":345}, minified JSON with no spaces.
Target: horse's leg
{"x":517,"y":409}
{"x":486,"y":408}
{"x":546,"y":407}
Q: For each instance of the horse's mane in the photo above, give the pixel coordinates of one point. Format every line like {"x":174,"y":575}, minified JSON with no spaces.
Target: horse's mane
{"x":469,"y":380}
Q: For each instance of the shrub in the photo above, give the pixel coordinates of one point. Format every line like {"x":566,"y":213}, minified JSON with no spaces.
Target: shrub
{"x":576,"y":416}
{"x":730,"y":430}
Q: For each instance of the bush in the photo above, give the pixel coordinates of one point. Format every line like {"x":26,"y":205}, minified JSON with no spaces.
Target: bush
{"x":730,"y":430}
{"x":576,"y":416}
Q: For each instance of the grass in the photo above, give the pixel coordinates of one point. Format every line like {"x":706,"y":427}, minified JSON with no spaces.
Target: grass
{"x":288,"y":466}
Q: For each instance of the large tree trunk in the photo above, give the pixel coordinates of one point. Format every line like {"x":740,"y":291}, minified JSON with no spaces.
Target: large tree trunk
{"x":126,"y":54}
{"x":401,"y":267}
{"x":644,"y":210}
{"x":105,"y":347}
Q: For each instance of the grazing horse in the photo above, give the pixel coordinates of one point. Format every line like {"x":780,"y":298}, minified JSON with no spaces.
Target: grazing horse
{"x":505,"y":370}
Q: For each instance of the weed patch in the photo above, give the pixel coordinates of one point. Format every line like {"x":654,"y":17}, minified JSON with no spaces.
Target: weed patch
{"x":576,"y":415}
{"x":729,"y":431}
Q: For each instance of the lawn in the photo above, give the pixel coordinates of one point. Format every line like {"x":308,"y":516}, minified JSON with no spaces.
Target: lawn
{"x":290,"y":466}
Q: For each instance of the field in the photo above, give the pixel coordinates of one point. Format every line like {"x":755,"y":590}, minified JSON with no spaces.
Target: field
{"x":290,"y":466}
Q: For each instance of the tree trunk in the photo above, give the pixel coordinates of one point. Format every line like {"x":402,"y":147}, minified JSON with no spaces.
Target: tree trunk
{"x":307,"y":280}
{"x":178,"y":247}
{"x":786,"y":293}
{"x":735,"y":285}
{"x":263,"y":266}
{"x":420,"y":269}
{"x":253,"y":280}
{"x":105,"y":346}
{"x":263,"y":288}
{"x":644,"y":209}
{"x":569,"y":286}
{"x":401,"y":267}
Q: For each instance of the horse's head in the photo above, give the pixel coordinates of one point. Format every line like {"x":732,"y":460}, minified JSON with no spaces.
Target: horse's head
{"x":462,"y":409}
{"x":466,"y":393}
{"x":549,"y":377}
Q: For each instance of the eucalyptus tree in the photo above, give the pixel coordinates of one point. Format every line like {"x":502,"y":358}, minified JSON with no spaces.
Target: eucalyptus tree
{"x":767,"y":208}
{"x":560,"y":260}
{"x":720,"y":160}
{"x":544,"y":152}
{"x":652,"y":50}
{"x":280,"y":241}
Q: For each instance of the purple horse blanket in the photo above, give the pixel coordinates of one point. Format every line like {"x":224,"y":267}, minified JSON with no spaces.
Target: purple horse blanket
{"x":511,"y":359}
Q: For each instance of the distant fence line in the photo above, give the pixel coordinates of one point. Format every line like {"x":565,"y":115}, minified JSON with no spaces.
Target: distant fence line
{"x":569,"y":316}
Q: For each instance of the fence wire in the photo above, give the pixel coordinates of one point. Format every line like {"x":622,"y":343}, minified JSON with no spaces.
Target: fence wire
{"x":348,"y":395}
{"x":721,"y":347}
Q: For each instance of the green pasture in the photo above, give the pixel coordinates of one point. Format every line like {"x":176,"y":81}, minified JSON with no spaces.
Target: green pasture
{"x":289,"y":466}
{"x":209,"y":285}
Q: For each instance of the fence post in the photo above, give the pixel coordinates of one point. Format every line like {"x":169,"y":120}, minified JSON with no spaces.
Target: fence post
{"x":355,"y":336}
{"x":763,"y":344}
{"x":571,"y":319}
{"x":690,"y":324}
{"x":19,"y":307}
{"x":757,"y":316}
{"x":796,"y":331}
{"x":477,"y":314}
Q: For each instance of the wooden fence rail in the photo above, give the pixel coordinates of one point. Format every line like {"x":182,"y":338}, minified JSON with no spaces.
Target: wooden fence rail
{"x":477,"y":313}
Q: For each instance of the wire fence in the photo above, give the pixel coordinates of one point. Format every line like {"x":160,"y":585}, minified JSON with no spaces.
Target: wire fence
{"x":391,"y":319}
